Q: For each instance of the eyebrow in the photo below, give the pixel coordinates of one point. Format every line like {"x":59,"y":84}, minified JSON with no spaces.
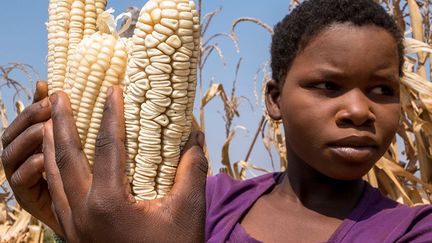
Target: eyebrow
{"x":327,"y":70}
{"x":383,"y":74}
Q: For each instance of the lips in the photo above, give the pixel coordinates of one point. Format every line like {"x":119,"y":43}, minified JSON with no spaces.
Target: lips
{"x":354,"y":148}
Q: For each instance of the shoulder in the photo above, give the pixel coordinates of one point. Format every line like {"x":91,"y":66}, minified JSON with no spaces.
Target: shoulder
{"x":413,"y":224}
{"x":384,"y":206}
{"x":227,"y":199}
{"x":389,"y":221}
{"x":222,"y":188}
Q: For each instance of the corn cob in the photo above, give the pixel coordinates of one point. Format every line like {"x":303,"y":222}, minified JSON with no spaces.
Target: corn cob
{"x":58,"y":41}
{"x":100,"y":6}
{"x":51,"y":27}
{"x":93,"y":63}
{"x":159,"y":97}
{"x":69,"y":22}
{"x":101,"y":61}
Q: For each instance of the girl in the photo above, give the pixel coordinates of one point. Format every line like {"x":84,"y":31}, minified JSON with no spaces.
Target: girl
{"x":336,"y":68}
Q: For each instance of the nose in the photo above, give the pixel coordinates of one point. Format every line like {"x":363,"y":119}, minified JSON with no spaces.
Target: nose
{"x":355,"y":110}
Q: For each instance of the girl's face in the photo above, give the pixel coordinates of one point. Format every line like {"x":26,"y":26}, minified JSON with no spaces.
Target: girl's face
{"x":339,"y":103}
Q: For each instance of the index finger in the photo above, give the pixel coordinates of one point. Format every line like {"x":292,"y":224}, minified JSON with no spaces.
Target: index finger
{"x":71,"y":160}
{"x":59,"y":200}
{"x":33,"y":114}
{"x":39,"y":111}
{"x":110,"y":154}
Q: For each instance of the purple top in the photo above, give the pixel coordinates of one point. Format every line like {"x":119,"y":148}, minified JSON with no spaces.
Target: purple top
{"x":375,"y":218}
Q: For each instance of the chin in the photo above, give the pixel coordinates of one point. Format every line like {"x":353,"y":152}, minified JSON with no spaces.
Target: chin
{"x":349,"y":171}
{"x":349,"y":165}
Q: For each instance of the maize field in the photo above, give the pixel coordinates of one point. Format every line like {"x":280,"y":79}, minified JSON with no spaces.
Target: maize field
{"x":160,"y":65}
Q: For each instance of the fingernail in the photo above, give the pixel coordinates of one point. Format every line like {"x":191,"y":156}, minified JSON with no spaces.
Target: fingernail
{"x":53,"y":98}
{"x":110,"y":91}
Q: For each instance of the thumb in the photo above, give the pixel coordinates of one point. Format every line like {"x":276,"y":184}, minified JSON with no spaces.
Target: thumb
{"x":192,"y":170}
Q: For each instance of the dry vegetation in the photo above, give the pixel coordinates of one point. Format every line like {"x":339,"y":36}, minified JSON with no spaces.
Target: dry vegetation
{"x":407,"y":179}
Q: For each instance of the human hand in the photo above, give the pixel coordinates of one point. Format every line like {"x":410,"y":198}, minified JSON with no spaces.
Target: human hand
{"x":99,"y":207}
{"x":23,"y":161}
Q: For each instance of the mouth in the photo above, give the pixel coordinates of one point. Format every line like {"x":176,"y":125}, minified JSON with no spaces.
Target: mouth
{"x":354,"y":148}
{"x":354,"y":154}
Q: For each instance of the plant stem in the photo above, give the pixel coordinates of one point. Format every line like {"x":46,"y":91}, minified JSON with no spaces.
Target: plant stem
{"x":255,"y":138}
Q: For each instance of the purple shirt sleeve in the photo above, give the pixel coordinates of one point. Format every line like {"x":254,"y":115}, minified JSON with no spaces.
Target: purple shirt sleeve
{"x":375,"y":218}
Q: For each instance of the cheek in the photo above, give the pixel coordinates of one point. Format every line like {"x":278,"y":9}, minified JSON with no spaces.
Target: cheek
{"x":388,"y":122}
{"x":304,"y":122}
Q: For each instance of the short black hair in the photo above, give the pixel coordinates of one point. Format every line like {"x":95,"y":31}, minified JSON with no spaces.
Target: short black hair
{"x":294,"y":32}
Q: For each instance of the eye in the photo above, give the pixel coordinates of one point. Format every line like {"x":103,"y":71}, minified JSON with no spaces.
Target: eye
{"x":326,"y":85}
{"x":383,"y":90}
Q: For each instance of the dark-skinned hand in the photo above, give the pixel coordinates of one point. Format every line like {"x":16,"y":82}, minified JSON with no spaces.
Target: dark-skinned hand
{"x":23,"y":160}
{"x":98,"y":207}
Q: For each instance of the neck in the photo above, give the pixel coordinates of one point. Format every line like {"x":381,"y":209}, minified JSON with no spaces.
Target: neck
{"x":318,"y":192}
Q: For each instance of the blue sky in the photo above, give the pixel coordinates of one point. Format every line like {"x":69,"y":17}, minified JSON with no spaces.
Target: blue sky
{"x":24,"y":40}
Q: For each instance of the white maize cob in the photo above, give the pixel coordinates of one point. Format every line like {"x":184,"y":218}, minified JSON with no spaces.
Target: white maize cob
{"x":93,"y":64}
{"x":69,"y":22}
{"x":51,"y":27}
{"x":103,"y":64}
{"x":100,"y":6}
{"x":58,"y":42}
{"x":160,"y":94}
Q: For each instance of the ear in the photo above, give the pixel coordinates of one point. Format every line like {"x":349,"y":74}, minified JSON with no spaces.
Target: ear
{"x":272,"y":98}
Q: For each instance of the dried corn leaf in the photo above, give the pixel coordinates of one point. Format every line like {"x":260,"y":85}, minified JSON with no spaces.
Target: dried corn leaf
{"x":400,"y":191}
{"x":241,"y":167}
{"x":19,"y":107}
{"x":20,"y":226}
{"x":417,"y":31}
{"x":413,"y":46}
{"x":213,"y":91}
{"x":371,"y":177}
{"x":226,"y":162}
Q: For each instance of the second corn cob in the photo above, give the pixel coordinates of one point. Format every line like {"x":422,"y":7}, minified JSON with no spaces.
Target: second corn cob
{"x":159,"y":98}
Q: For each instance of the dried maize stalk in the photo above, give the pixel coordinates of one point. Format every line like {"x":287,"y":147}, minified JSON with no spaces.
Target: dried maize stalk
{"x":160,"y":94}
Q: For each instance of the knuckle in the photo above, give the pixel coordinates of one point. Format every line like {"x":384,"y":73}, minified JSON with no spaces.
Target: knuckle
{"x":203,"y":164}
{"x":35,"y":129}
{"x":5,"y":138}
{"x":200,"y":162}
{"x":195,"y":201}
{"x":25,"y":119}
{"x":62,"y":156}
{"x":100,"y":207}
{"x":103,"y":141}
{"x":16,"y":180}
{"x":5,"y":157}
{"x":28,"y":115}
